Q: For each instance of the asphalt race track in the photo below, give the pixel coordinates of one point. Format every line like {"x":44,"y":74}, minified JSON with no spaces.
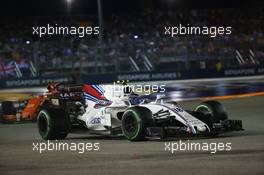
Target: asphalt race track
{"x":119,"y":156}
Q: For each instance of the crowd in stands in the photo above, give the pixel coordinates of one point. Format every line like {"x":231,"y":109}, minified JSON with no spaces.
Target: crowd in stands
{"x":136,"y":35}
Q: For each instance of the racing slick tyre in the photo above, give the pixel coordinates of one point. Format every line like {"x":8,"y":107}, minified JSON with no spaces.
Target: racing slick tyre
{"x":7,"y":112}
{"x":214,"y":109}
{"x":135,"y":120}
{"x":53,"y":124}
{"x":7,"y":108}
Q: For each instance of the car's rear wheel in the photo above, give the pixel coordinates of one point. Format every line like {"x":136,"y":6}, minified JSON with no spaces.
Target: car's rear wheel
{"x":135,"y":120}
{"x":8,"y":108}
{"x":53,"y":124}
{"x":214,"y":109}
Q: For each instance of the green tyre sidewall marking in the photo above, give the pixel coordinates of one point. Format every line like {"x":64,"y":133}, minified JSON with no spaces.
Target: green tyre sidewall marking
{"x":203,"y":106}
{"x":138,"y":122}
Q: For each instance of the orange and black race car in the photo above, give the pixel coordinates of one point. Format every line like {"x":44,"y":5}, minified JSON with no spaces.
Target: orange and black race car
{"x":14,"y":111}
{"x":25,"y":110}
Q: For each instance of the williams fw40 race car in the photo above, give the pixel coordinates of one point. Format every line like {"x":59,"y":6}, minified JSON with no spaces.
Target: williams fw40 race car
{"x":105,"y":110}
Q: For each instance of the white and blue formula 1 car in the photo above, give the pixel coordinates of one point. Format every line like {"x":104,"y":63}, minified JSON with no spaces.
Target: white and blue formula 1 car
{"x":104,"y":110}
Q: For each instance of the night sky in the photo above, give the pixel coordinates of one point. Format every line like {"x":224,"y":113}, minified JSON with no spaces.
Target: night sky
{"x":58,"y":7}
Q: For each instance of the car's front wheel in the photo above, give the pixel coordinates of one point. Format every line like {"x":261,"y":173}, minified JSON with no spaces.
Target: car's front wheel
{"x":135,"y":120}
{"x":214,"y":109}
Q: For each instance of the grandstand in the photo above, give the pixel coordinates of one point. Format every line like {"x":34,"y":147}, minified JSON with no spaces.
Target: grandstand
{"x":130,"y":47}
